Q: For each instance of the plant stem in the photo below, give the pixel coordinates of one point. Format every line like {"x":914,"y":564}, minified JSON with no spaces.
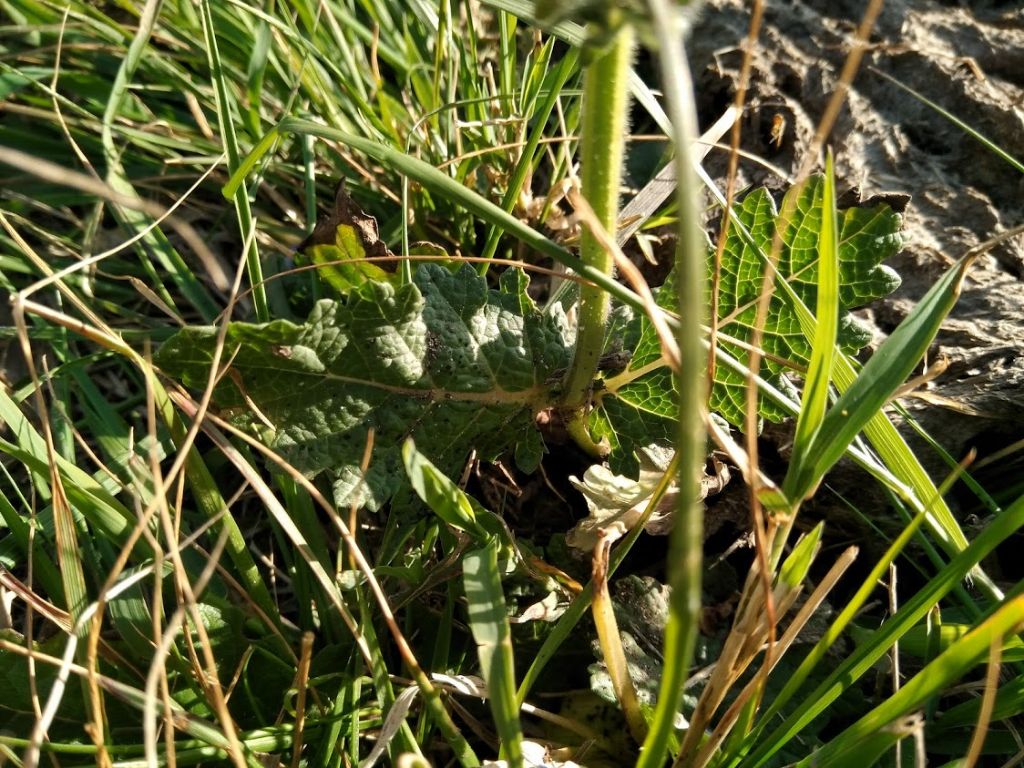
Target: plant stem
{"x":602,"y":147}
{"x":611,"y":644}
{"x":686,"y":545}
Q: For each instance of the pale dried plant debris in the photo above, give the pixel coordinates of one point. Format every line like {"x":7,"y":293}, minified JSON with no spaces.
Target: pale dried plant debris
{"x":535,"y":755}
{"x":618,"y":503}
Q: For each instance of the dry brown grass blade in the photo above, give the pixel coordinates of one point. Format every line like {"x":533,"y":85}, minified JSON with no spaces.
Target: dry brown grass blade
{"x":611,"y":641}
{"x":813,"y":602}
{"x":643,"y":205}
{"x":988,"y":701}
{"x":57,"y":174}
{"x":301,"y":683}
{"x":213,"y":427}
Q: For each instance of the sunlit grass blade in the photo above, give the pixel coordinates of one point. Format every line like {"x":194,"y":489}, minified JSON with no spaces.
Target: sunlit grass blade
{"x":488,"y":618}
{"x":823,"y":345}
{"x":960,"y":657}
{"x":969,"y":130}
{"x":874,"y":647}
{"x":882,"y":375}
{"x":488,"y":621}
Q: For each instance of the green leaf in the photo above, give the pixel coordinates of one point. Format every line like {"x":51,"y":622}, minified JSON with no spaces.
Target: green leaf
{"x":444,"y":360}
{"x":637,"y":406}
{"x":867,"y":236}
{"x":342,"y":242}
{"x":343,"y":265}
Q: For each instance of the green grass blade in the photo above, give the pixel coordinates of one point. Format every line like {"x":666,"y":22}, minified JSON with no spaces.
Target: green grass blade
{"x":883,"y":374}
{"x":575,"y":35}
{"x":241,"y":197}
{"x":211,"y":505}
{"x":256,"y":73}
{"x":795,"y":567}
{"x":136,"y":222}
{"x":1009,"y":702}
{"x":976,"y":134}
{"x":687,"y":537}
{"x":823,"y":344}
{"x":100,"y":508}
{"x":846,"y":615}
{"x":403,"y":738}
{"x":555,"y":80}
{"x":929,"y":682}
{"x":488,"y":621}
{"x":506,"y":53}
{"x":873,"y":648}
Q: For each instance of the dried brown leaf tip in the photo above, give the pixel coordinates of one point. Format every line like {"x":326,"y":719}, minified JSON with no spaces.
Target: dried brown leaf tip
{"x":347,"y":213}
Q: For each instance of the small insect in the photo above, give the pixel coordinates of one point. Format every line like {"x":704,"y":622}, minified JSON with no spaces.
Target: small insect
{"x":778,"y":130}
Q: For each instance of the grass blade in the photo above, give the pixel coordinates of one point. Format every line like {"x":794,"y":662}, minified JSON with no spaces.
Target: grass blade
{"x":985,"y":141}
{"x":873,"y":648}
{"x":241,"y":197}
{"x":929,"y":682}
{"x":883,"y":374}
{"x":133,"y":220}
{"x":687,"y":538}
{"x":488,"y":621}
{"x":823,"y":344}
{"x":488,"y":618}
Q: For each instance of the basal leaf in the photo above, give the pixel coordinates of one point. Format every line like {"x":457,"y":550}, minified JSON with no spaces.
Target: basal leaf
{"x":637,"y":407}
{"x":867,"y":236}
{"x":445,"y":360}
